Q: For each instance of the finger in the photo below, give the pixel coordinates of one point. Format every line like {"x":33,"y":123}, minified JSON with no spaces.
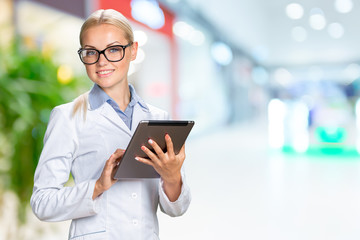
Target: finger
{"x":114,"y":160}
{"x":111,"y":159}
{"x":149,"y":153}
{"x":169,"y":145}
{"x":114,"y":172}
{"x":117,"y":155}
{"x":145,"y":160}
{"x":156,"y":148}
{"x":118,"y":160}
{"x":109,"y":166}
{"x":119,"y":152}
{"x":181,"y":153}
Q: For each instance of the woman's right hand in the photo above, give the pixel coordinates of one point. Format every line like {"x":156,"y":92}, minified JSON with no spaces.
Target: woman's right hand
{"x":107,"y":179}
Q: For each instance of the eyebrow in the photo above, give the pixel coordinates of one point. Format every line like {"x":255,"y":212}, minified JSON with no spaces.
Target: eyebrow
{"x":89,"y":46}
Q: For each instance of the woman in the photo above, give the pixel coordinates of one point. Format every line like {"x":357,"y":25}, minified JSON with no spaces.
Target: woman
{"x":81,"y":136}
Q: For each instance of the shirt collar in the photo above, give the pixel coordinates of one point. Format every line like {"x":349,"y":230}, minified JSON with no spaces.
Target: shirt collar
{"x":97,"y":97}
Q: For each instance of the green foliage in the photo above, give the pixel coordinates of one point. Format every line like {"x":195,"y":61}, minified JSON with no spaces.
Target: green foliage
{"x":29,"y":89}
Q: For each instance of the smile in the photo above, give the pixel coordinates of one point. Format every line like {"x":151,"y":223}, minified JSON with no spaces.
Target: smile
{"x":105,"y":72}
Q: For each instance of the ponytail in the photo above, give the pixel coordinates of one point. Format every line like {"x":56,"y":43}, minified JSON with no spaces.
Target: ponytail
{"x":81,"y":103}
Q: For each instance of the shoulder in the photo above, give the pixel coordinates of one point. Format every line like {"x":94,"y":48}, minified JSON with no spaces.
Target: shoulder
{"x":70,"y":110}
{"x":157,"y":112}
{"x":154,"y":109}
{"x":59,"y":121}
{"x":63,"y":110}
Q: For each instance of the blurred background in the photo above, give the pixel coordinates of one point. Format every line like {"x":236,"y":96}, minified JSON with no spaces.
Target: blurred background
{"x":273,"y":87}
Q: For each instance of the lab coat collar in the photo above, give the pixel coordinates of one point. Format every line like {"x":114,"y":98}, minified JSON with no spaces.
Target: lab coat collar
{"x":97,"y":97}
{"x":141,"y":110}
{"x":110,"y":115}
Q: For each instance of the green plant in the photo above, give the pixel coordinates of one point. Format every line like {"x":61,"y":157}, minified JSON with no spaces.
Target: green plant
{"x":29,"y":89}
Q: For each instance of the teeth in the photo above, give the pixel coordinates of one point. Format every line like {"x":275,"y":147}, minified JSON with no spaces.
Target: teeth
{"x":105,"y":72}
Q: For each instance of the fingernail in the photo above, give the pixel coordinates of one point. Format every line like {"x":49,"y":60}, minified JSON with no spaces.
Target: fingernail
{"x":137,"y":159}
{"x":150,"y":141}
{"x":143,"y":148}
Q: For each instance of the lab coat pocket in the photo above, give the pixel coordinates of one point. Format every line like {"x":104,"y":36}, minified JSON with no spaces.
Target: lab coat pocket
{"x":91,"y":236}
{"x":93,"y":227}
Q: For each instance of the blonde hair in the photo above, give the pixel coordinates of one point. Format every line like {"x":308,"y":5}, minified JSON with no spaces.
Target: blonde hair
{"x":101,"y":16}
{"x":81,"y":103}
{"x":108,"y":16}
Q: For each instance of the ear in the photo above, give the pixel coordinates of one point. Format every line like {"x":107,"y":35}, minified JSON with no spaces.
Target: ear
{"x":134,"y":48}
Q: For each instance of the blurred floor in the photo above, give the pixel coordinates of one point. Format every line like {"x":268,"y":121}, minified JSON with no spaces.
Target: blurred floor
{"x":241,"y":190}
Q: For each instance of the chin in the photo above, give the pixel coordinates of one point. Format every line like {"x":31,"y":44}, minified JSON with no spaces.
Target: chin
{"x":105,"y":85}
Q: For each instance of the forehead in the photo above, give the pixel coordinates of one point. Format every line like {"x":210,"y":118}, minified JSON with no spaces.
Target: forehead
{"x":100,"y":36}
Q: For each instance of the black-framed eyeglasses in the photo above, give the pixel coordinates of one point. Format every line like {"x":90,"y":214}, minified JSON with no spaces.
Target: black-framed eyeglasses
{"x":114,"y":53}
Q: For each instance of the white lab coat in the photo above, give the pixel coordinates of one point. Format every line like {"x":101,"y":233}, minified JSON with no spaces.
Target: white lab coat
{"x":71,"y":145}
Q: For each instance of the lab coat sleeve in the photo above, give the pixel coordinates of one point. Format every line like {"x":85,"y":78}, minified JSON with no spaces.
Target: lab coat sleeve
{"x":178,"y":207}
{"x":51,"y":201}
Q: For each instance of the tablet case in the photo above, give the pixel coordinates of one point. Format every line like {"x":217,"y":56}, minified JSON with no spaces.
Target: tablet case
{"x":156,"y":130}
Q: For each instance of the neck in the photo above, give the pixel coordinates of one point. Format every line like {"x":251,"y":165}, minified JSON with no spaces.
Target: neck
{"x":120,"y":94}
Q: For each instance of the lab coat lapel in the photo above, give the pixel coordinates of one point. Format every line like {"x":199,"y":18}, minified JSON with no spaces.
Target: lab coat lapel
{"x":110,"y":114}
{"x":139,"y":114}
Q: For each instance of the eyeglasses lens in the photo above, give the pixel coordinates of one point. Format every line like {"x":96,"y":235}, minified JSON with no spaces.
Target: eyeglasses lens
{"x":114,"y":54}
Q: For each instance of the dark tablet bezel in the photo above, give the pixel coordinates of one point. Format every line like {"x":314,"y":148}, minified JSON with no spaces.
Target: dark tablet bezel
{"x":156,"y":130}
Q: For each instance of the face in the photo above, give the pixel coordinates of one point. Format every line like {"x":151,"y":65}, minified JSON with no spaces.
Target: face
{"x":108,"y":75}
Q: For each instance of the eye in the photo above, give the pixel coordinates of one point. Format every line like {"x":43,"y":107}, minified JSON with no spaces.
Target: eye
{"x":114,"y":49}
{"x":89,"y":53}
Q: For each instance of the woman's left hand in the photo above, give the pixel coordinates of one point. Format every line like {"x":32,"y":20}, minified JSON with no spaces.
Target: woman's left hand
{"x":167,"y":164}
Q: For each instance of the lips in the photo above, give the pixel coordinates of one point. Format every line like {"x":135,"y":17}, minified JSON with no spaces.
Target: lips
{"x":104,"y":73}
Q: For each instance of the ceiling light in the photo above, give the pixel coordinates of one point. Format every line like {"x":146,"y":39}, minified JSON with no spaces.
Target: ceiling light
{"x":344,"y":6}
{"x":148,"y":12}
{"x":141,"y":37}
{"x":335,"y":30}
{"x":283,"y":76}
{"x":221,"y":53}
{"x":197,"y":38}
{"x":317,"y":19}
{"x":188,"y":33}
{"x":182,"y":29}
{"x":294,"y":11}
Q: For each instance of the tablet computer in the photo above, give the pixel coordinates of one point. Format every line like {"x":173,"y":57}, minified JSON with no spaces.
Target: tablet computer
{"x":156,"y":130}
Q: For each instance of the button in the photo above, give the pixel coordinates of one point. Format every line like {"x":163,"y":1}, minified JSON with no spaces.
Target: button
{"x":135,"y":222}
{"x":134,"y":195}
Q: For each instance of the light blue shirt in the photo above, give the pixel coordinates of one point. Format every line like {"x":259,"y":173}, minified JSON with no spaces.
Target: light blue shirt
{"x":98,"y":97}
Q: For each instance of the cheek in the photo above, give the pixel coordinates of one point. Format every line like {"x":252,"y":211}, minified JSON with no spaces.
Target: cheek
{"x":88,"y":69}
{"x":123,"y":64}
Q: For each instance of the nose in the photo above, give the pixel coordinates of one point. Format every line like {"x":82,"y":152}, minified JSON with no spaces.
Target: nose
{"x":102,"y":60}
